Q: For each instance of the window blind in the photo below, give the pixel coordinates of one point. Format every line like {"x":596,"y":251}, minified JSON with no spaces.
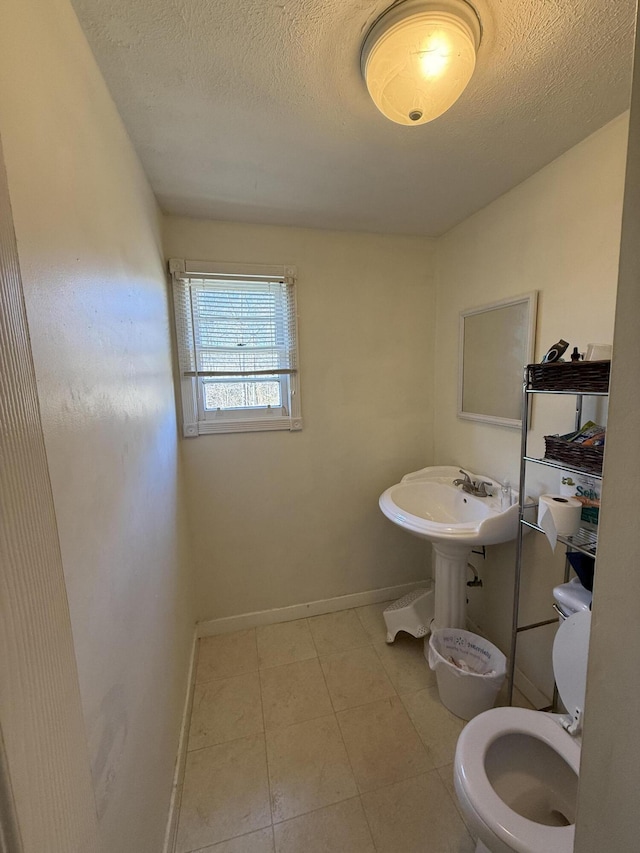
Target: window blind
{"x":241,"y":328}
{"x":234,"y":325}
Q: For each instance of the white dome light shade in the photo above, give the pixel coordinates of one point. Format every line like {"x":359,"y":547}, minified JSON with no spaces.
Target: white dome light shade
{"x":419,"y":57}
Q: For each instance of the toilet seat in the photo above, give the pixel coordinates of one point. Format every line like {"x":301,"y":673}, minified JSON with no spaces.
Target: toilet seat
{"x":512,"y":829}
{"x":570,"y":658}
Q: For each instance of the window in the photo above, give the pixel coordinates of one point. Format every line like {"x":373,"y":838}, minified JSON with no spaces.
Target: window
{"x":237,"y":347}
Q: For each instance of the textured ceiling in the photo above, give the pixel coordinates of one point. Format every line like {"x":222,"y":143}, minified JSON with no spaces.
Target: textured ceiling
{"x":255,"y":110}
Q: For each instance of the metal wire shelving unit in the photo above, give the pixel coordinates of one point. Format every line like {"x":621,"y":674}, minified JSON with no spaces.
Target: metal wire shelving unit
{"x":584,"y":541}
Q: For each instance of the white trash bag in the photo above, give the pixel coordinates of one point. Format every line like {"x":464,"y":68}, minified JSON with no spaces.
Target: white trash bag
{"x":469,"y":669}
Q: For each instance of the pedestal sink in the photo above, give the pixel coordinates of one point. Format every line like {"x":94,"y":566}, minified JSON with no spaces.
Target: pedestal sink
{"x":427,"y":504}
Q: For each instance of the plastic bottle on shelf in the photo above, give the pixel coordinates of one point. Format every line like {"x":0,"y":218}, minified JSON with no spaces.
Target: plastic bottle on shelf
{"x":505,"y":495}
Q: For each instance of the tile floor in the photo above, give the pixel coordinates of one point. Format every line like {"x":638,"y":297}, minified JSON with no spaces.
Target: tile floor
{"x":314,"y":736}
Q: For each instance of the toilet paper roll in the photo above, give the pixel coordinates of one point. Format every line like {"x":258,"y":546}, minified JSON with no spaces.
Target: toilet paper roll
{"x":558,"y":516}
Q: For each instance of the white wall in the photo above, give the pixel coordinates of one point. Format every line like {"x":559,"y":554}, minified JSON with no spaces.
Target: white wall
{"x":89,"y":244}
{"x":46,"y":772}
{"x":557,"y":233}
{"x":610,"y":770}
{"x":282,"y":518}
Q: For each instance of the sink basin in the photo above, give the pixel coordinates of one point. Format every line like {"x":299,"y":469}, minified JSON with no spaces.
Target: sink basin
{"x":427,"y":504}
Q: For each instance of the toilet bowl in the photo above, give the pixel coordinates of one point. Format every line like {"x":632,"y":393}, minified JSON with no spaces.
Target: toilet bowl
{"x":516,"y":770}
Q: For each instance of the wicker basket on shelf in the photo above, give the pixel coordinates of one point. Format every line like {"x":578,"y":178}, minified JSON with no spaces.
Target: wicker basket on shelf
{"x":577,"y":377}
{"x":587,"y":458}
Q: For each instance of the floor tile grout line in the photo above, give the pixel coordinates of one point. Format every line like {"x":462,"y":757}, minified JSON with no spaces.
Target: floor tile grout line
{"x":429,"y":752}
{"x":435,"y":771}
{"x":430,"y":755}
{"x":266,"y":754}
{"x":317,"y":809}
{"x":346,"y":751}
{"x":400,"y":781}
{"x":313,"y":639}
{"x":338,"y":725}
{"x":304,"y":619}
{"x":400,"y":692}
{"x":366,"y":818}
{"x":381,"y":788}
{"x":233,"y":739}
{"x":331,"y":805}
{"x":229,"y":740}
{"x":345,"y":650}
{"x":364,"y":811}
{"x":454,"y":800}
{"x":226,"y":677}
{"x":327,"y":805}
{"x":362,"y":704}
{"x":300,"y":722}
{"x":357,"y":796}
{"x":364,"y":627}
{"x":287,"y":663}
{"x":232,"y":838}
{"x":333,"y":613}
{"x":320,"y":654}
{"x":227,"y":635}
{"x":385,"y":669}
{"x":226,"y":742}
{"x":186,"y":755}
{"x":350,"y":764}
{"x":367,"y":632}
{"x":326,"y":684}
{"x":425,"y":746}
{"x":332,"y":713}
{"x":338,"y":710}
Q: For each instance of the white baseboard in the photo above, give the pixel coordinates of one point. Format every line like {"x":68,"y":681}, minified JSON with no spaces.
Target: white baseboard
{"x":181,"y":757}
{"x":298,"y":611}
{"x":524,"y":684}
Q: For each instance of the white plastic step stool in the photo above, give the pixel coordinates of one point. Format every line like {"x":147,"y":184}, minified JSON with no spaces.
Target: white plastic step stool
{"x":412,"y":613}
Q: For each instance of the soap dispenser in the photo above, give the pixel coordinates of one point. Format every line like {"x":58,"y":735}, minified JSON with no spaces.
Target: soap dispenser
{"x":505,"y":496}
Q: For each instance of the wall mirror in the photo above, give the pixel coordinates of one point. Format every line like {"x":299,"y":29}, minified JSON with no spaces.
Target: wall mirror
{"x":496,"y":342}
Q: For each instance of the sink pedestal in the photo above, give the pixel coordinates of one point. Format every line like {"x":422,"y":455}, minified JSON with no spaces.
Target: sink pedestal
{"x":450,"y":576}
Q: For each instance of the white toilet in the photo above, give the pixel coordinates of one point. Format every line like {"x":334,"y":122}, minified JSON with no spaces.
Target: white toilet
{"x":516,"y":771}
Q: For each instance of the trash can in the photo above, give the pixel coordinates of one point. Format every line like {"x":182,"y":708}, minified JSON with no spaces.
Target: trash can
{"x":469,"y":669}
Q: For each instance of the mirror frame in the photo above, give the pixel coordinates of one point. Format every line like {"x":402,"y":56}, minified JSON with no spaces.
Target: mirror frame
{"x":531,"y":300}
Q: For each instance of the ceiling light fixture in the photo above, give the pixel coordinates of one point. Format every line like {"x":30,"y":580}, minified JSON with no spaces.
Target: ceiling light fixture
{"x":418,"y":58}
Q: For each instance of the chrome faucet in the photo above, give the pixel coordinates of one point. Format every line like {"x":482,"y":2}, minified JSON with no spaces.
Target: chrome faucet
{"x":466,"y":482}
{"x":477,"y":488}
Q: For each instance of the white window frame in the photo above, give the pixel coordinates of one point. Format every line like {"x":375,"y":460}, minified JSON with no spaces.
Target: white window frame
{"x":195,"y":419}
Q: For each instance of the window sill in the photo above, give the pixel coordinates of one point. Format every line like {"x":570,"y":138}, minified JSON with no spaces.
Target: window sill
{"x":248,"y":425}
